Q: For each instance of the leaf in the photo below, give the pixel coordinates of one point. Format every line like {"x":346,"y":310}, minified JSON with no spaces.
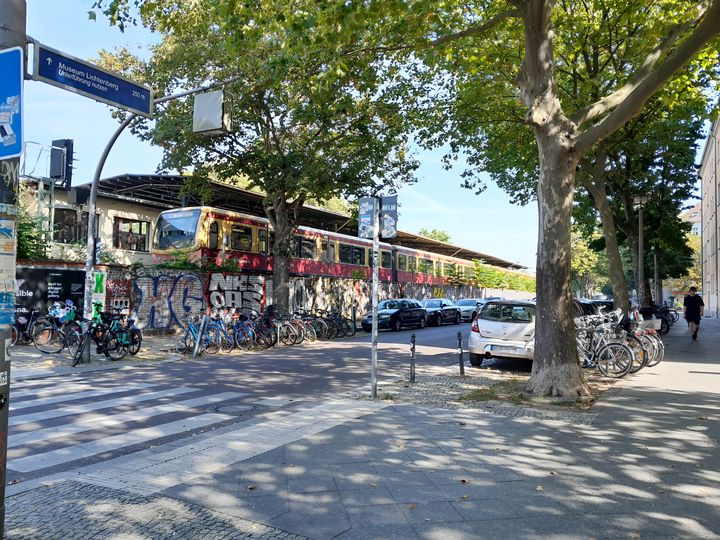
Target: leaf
{"x":463,"y":481}
{"x":539,"y":488}
{"x":465,"y":497}
{"x":92,"y":15}
{"x":634,"y":535}
{"x":701,"y":418}
{"x":553,"y":473}
{"x":412,"y":506}
{"x":252,"y":487}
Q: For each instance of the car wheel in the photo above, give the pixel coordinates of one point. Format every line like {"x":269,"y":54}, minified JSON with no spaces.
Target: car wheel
{"x":476,"y":360}
{"x":395,"y":325}
{"x":457,"y":318}
{"x":423,"y":322}
{"x":367,"y":328}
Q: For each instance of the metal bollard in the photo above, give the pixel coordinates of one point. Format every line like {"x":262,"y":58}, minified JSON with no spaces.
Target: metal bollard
{"x":460,"y":354}
{"x":412,"y":357}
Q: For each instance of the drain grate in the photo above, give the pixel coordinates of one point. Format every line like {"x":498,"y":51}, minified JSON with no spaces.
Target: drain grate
{"x":235,"y":409}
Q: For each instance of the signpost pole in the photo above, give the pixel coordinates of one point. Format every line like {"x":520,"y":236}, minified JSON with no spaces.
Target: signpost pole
{"x":375,"y":294}
{"x":13,"y":17}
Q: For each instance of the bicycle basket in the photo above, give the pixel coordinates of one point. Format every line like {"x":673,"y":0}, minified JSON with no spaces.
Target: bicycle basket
{"x":652,"y":324}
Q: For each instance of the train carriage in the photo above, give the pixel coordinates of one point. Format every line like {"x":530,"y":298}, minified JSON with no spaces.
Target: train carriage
{"x":214,"y":234}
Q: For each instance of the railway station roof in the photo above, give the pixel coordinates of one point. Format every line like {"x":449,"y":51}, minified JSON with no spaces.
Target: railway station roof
{"x":165,"y":191}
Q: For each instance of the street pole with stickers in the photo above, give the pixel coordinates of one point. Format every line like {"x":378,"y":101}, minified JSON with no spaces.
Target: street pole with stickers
{"x":13,"y":15}
{"x":376,"y":212}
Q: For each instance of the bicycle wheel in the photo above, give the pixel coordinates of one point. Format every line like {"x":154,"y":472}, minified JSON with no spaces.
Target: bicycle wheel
{"x":309,"y":331}
{"x":211,"y":341}
{"x":614,"y":360}
{"x":350,"y":328}
{"x":664,"y":326}
{"x":48,"y":340}
{"x":84,"y":339}
{"x":72,"y":342}
{"x":341,"y":329}
{"x":321,"y":328}
{"x":15,"y":335}
{"x":660,"y":349}
{"x":287,"y":333}
{"x":135,"y":341}
{"x":184,"y":343}
{"x":243,"y":338}
{"x":117,"y":345}
{"x":227,"y":342}
{"x":641,"y":353}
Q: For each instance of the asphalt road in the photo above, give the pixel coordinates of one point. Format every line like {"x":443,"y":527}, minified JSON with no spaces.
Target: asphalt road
{"x":60,"y":424}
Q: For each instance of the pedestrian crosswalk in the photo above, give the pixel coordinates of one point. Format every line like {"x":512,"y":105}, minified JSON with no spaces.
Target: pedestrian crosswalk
{"x":59,"y":425}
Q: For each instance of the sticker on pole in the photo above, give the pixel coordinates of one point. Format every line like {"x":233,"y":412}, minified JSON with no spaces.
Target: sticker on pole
{"x":11,"y":79}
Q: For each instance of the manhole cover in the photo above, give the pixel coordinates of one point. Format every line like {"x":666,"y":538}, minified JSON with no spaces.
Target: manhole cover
{"x":235,"y":409}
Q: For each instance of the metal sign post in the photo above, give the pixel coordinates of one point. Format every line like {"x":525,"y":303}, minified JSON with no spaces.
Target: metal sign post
{"x":375,"y":294}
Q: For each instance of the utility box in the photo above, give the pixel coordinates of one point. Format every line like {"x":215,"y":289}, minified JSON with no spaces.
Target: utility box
{"x":212,"y":113}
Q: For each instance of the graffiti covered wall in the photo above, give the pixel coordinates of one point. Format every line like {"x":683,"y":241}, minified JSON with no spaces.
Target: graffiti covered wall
{"x":162,"y":300}
{"x":236,"y":290}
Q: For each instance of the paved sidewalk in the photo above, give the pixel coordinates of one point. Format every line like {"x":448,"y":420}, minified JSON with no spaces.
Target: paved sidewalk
{"x":646,"y":465}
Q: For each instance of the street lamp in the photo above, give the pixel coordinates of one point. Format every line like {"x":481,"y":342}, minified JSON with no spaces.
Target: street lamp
{"x":640,"y":200}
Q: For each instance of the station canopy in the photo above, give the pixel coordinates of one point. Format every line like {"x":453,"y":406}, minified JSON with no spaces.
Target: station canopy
{"x":165,"y":192}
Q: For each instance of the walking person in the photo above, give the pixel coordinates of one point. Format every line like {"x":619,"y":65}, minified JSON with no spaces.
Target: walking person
{"x":694,"y":308}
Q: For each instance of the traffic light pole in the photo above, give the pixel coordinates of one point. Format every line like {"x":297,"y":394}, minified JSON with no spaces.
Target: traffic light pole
{"x":13,"y":17}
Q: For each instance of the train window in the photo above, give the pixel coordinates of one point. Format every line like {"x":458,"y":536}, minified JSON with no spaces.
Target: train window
{"x":308,"y":248}
{"x":386,"y":260}
{"x":469,"y":271}
{"x":213,"y":235}
{"x":402,"y":262}
{"x":262,"y":241}
{"x":358,"y":256}
{"x":241,"y":238}
{"x":346,"y":253}
{"x":331,"y":251}
{"x":324,"y":250}
{"x":412,"y":263}
{"x":295,"y":243}
{"x":448,"y":269}
{"x":425,"y":266}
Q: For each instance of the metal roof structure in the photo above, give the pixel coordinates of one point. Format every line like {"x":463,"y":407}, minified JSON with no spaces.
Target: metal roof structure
{"x":165,"y":192}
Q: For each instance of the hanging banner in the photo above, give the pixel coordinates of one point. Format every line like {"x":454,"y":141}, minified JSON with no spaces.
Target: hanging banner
{"x":388,"y":217}
{"x":365,"y":217}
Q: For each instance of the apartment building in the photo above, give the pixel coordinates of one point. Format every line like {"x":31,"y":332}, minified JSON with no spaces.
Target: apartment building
{"x":710,"y":228}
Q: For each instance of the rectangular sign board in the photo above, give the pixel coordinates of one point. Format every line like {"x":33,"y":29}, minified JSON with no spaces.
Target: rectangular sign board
{"x":11,"y":80}
{"x":388,"y":217}
{"x":70,"y":73}
{"x":366,"y":216}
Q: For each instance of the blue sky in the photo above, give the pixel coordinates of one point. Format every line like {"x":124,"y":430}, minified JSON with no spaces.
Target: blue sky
{"x":487,"y":223}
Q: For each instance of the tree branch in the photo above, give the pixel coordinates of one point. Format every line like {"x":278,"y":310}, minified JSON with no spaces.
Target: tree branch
{"x":645,"y":71}
{"x":630,"y":99}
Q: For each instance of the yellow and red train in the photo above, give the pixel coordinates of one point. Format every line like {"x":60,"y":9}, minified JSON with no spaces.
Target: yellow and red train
{"x":205,"y":232}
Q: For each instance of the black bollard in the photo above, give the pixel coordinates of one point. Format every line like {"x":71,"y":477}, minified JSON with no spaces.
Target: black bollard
{"x":460,"y":354}
{"x":412,"y":357}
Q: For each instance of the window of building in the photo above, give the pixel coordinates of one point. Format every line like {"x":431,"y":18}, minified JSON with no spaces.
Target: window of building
{"x":346,"y":254}
{"x":68,"y":229}
{"x":241,"y":238}
{"x":386,"y":259}
{"x":359,"y":255}
{"x":402,"y":262}
{"x":130,"y":234}
{"x":213,"y":235}
{"x":262,"y":241}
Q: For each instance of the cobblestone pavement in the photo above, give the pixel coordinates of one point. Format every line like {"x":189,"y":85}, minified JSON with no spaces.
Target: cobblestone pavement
{"x":74,"y":510}
{"x":438,"y":388}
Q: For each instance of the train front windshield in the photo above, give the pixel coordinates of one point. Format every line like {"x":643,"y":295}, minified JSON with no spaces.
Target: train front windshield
{"x":176,"y":229}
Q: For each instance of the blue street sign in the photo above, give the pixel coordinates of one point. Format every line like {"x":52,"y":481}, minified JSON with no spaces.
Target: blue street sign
{"x":65,"y":71}
{"x":11,"y":79}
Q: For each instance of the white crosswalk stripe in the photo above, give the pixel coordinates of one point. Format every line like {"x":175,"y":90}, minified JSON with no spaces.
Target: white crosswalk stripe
{"x":75,"y":396}
{"x":35,"y":444}
{"x":95,"y":421}
{"x":94,"y":406}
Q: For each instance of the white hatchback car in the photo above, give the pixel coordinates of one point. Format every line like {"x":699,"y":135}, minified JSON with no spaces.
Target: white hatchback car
{"x":504,"y":328}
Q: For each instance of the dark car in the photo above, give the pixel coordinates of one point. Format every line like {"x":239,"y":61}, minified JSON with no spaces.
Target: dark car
{"x":396,"y":313}
{"x":441,"y":311}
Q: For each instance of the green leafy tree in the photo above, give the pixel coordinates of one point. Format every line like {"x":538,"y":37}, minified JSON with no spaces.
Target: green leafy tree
{"x":305,"y":127}
{"x":486,"y":68}
{"x":589,"y":267}
{"x":435,"y":234}
{"x":31,"y":241}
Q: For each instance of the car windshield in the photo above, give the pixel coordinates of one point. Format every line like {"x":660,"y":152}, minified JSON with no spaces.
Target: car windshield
{"x":176,"y":229}
{"x":508,"y":313}
{"x":389,"y":304}
{"x":467,"y":302}
{"x":431,"y":303}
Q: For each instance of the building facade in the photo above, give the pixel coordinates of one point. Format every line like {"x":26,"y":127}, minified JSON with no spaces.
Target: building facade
{"x":710,"y":228}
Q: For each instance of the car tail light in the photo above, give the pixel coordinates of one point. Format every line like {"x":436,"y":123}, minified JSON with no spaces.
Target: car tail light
{"x":474,"y":327}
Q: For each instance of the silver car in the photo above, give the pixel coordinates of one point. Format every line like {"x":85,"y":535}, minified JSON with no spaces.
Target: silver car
{"x":503,"y":328}
{"x":469,"y":308}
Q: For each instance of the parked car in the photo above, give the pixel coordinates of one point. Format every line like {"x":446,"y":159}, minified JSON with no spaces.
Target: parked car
{"x":469,"y":307}
{"x":396,"y":313}
{"x":503,"y":328}
{"x":440,"y":311}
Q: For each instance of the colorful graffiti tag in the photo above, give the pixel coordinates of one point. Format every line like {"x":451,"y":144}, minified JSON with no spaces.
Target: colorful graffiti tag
{"x":164,"y":301}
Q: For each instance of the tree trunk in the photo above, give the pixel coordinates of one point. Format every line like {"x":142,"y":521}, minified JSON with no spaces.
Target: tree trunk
{"x":621,"y":297}
{"x":556,"y":370}
{"x":283,"y":216}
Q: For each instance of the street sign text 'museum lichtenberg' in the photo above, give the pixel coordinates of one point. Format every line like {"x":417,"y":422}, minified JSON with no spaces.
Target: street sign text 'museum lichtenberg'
{"x":70,"y":73}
